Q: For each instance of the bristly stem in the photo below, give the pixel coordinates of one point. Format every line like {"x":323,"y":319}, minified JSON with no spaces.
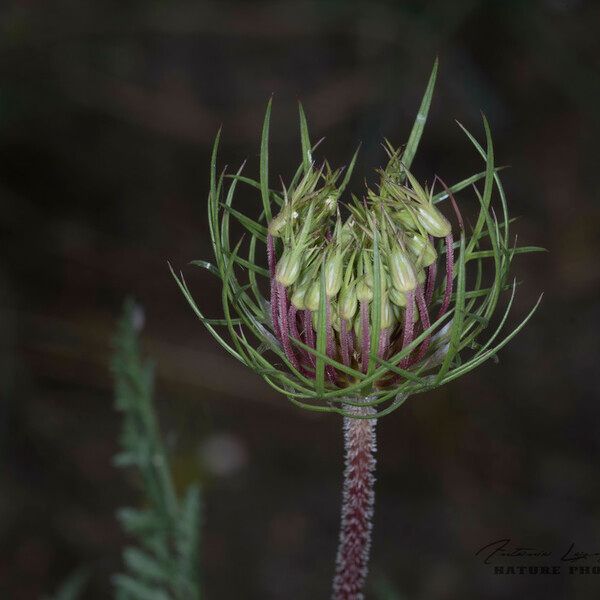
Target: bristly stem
{"x":358,"y":501}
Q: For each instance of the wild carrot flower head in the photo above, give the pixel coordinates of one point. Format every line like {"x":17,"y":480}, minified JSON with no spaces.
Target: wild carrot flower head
{"x":375,"y":297}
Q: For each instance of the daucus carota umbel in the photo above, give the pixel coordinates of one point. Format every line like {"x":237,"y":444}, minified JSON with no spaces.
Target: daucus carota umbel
{"x":366,"y":300}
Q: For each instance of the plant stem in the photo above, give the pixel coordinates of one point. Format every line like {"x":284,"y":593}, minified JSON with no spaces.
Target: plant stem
{"x":358,"y":501}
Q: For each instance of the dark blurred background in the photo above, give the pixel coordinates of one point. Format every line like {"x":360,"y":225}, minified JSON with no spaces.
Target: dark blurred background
{"x":107,"y":115}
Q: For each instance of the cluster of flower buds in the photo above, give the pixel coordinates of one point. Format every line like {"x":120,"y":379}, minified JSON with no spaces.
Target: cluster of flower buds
{"x":368,"y":299}
{"x":322,"y":253}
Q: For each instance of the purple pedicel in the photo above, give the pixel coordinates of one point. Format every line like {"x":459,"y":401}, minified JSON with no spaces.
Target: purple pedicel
{"x":275,"y":310}
{"x":309,"y":334}
{"x":365,"y":335}
{"x":424,"y":316}
{"x":273,"y":299}
{"x":409,"y":326}
{"x":449,"y":275}
{"x":351,"y":342}
{"x":358,"y":501}
{"x":450,"y":252}
{"x":344,"y":342}
{"x":431,"y":273}
{"x":283,"y":325}
{"x":292,"y":313}
{"x":294,"y":333}
{"x":384,"y":342}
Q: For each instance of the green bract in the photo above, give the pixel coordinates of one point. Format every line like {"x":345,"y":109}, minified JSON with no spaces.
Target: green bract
{"x":351,"y":319}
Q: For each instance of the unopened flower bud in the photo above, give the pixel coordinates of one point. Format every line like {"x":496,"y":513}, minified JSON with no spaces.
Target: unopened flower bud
{"x":387,"y":314}
{"x":347,"y":231}
{"x":432,"y":220}
{"x":277,"y":224}
{"x":406,"y":218}
{"x":335,"y":317}
{"x":348,"y":302}
{"x":288,"y":268}
{"x":330,"y":204}
{"x":402,"y":272}
{"x":397,"y":298}
{"x":298,"y":295}
{"x":422,"y":249}
{"x":363,"y":292}
{"x":333,"y":274}
{"x":313,"y":296}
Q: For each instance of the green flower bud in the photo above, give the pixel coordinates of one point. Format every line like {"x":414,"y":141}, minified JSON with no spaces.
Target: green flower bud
{"x":333,"y":274}
{"x":313,"y":296}
{"x":348,"y":302}
{"x":421,"y":276}
{"x":422,"y":249}
{"x":363,"y":292}
{"x":397,"y":298}
{"x":406,"y":218}
{"x":330,"y":204}
{"x":387,"y":314}
{"x":432,"y":220}
{"x":288,"y":268}
{"x":335,"y":317}
{"x":286,"y":215}
{"x":277,"y":224}
{"x":347,"y":233}
{"x":298,"y":295}
{"x":402,"y":272}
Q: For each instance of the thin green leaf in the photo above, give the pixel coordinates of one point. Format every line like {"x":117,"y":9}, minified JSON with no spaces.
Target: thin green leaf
{"x":252,"y":226}
{"x":273,"y":195}
{"x":493,"y":351}
{"x":264,"y":163}
{"x":213,"y":196}
{"x":305,"y":140}
{"x":461,"y":185}
{"x":188,"y":296}
{"x":228,"y":209}
{"x":348,"y":172}
{"x":517,"y":250}
{"x":420,"y":120}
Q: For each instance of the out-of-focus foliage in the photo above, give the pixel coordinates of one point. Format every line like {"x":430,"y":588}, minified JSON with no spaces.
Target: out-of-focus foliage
{"x":72,"y":588}
{"x":164,"y":565}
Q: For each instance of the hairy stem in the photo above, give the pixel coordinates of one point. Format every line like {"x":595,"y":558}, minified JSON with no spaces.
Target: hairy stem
{"x":358,"y":501}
